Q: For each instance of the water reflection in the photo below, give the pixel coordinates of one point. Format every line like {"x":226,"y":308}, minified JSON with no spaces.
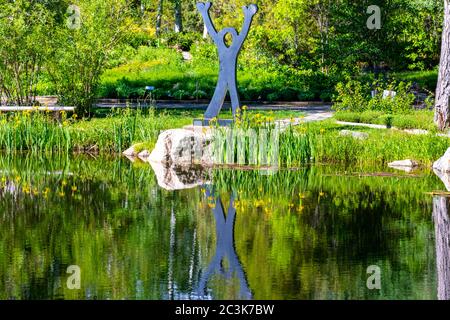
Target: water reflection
{"x":303,"y":234}
{"x":442,"y":230}
{"x":225,"y":249}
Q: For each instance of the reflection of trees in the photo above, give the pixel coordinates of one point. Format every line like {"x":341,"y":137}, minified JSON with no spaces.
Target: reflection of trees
{"x":442,"y":230}
{"x":225,"y":250}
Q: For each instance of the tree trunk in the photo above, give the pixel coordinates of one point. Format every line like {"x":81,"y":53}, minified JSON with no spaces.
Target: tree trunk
{"x":159,"y":17}
{"x":442,"y":231}
{"x":178,"y":17}
{"x":442,"y":109}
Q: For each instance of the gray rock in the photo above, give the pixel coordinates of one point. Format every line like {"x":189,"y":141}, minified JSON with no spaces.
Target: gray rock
{"x":130,"y":152}
{"x":444,"y":176}
{"x":182,"y":147}
{"x":355,"y":134}
{"x":187,"y":56}
{"x":404,"y":163}
{"x":443,"y":164}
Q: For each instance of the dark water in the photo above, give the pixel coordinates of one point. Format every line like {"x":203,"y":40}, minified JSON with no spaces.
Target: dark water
{"x":305,"y":234}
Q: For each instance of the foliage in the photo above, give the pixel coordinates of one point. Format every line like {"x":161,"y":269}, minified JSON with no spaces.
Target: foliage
{"x":356,"y":96}
{"x":40,"y":132}
{"x":80,"y":51}
{"x":23,"y":24}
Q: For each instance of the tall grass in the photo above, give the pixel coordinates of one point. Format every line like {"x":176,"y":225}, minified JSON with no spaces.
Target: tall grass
{"x":321,"y":142}
{"x":42,"y":132}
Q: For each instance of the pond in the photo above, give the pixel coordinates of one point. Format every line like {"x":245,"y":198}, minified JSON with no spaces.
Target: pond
{"x":309,"y":233}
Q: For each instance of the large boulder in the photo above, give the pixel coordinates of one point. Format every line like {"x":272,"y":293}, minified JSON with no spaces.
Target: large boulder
{"x":443,"y":164}
{"x":182,"y":147}
{"x":442,"y":169}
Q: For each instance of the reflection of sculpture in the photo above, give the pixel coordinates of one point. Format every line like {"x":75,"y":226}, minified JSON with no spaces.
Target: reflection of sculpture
{"x":228,"y":56}
{"x":225,"y":249}
{"x":442,"y":230}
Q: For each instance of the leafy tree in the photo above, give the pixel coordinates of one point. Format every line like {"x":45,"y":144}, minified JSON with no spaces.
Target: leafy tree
{"x":82,"y":46}
{"x":24,"y":29}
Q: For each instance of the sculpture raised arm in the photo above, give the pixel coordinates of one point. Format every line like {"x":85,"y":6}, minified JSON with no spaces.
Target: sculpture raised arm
{"x":249,"y":12}
{"x":204,"y":7}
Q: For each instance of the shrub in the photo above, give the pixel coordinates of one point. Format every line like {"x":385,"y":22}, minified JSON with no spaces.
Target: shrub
{"x":355,"y":96}
{"x":351,"y":96}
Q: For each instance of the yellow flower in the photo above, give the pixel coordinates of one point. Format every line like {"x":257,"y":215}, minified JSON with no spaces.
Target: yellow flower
{"x":321,"y":194}
{"x":74,"y":188}
{"x":18,"y":179}
{"x":61,"y":194}
{"x":64,"y":183}
{"x":322,"y":131}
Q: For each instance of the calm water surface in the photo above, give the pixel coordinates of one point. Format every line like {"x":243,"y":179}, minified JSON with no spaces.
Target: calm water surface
{"x":304,"y":234}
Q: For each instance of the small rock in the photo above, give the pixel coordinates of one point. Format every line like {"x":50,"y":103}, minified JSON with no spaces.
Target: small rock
{"x":130,"y":152}
{"x":404,"y":164}
{"x":355,"y":134}
{"x":187,"y":56}
{"x":443,"y":164}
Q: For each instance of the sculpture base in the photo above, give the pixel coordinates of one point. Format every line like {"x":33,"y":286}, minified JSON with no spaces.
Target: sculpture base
{"x":216,"y":122}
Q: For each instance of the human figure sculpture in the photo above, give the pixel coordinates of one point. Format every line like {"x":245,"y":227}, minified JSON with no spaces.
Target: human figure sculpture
{"x":228,"y":56}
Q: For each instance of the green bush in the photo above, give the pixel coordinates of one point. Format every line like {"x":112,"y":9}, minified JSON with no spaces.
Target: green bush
{"x":355,"y":96}
{"x":351,"y":96}
{"x":184,"y":41}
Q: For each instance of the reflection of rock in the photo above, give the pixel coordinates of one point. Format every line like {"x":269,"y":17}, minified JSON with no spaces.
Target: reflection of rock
{"x":178,"y":177}
{"x":182,"y":147}
{"x":404,"y":165}
{"x":443,"y":164}
{"x":442,"y":231}
{"x":355,"y":134}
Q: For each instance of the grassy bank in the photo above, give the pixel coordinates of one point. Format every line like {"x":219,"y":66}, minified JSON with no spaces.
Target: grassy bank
{"x":321,"y":142}
{"x":413,"y":120}
{"x":40,"y":132}
{"x":380,"y":148}
{"x":110,"y":133}
{"x":318,"y":142}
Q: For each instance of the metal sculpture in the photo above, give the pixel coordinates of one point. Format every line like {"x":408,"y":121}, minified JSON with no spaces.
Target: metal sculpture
{"x":228,"y":56}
